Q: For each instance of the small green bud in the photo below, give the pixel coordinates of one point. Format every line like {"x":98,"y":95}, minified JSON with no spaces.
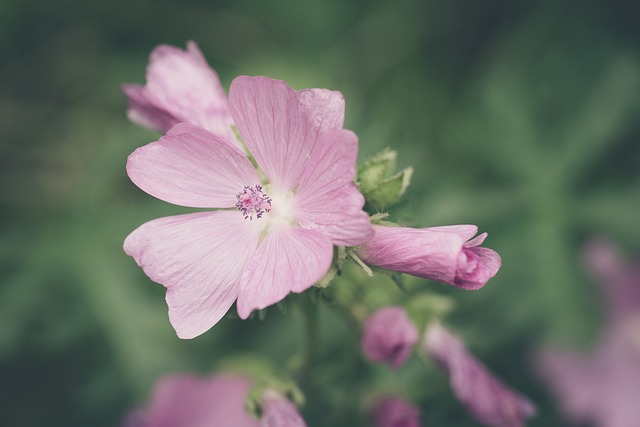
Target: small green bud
{"x":389,"y":190}
{"x":376,"y":169}
{"x":378,"y":183}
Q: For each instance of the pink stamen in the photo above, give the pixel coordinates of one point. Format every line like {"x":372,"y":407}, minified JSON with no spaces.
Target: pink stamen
{"x":253,"y":201}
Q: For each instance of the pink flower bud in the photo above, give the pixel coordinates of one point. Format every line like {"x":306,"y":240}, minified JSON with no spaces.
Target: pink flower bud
{"x":278,"y":411}
{"x":489,"y":400}
{"x":445,"y":254}
{"x":395,"y":412}
{"x":389,"y":336}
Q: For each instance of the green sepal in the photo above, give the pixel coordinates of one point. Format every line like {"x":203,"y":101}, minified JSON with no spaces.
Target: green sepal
{"x":376,"y":169}
{"x":389,"y":190}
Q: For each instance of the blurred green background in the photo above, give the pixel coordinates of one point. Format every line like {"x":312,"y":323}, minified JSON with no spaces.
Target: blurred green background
{"x":521,"y":117}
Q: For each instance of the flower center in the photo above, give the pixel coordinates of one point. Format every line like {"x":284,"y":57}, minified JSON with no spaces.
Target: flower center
{"x":253,"y":201}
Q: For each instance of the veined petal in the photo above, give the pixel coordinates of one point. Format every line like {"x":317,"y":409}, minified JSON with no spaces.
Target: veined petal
{"x":182,"y":83}
{"x":420,"y":252}
{"x":326,"y":198}
{"x":200,"y":259}
{"x":465,"y":231}
{"x":437,"y":253}
{"x":190,"y":166}
{"x":280,"y":126}
{"x":288,"y":259}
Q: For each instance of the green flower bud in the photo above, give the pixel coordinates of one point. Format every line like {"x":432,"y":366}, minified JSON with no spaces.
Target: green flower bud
{"x":380,"y":187}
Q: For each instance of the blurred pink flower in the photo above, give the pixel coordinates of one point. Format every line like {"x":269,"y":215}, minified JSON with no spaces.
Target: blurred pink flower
{"x":445,"y":254}
{"x":219,"y":400}
{"x":277,"y":411}
{"x":181,"y":88}
{"x":393,"y":411}
{"x":270,"y":238}
{"x":389,"y":336}
{"x":188,"y":401}
{"x":486,"y":397}
{"x":602,"y":388}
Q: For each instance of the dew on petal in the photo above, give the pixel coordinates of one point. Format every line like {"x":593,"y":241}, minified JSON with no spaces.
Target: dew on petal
{"x":253,"y":201}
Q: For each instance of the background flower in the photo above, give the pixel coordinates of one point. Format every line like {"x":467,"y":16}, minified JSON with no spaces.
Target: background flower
{"x":388,"y":336}
{"x":601,"y":386}
{"x":520,"y":117}
{"x":489,"y":400}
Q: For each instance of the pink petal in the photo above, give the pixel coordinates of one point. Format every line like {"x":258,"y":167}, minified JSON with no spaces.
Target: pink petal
{"x":436,"y":253}
{"x":192,"y":167}
{"x":188,"y":401}
{"x":392,"y":411}
{"x":388,"y":336}
{"x":465,"y":231}
{"x":144,"y":112}
{"x":280,"y":126}
{"x":575,"y":382}
{"x":420,"y":252}
{"x":489,"y":400}
{"x":278,"y":411}
{"x":486,"y":263}
{"x":199,"y":258}
{"x":183,"y":84}
{"x":326,"y":199}
{"x":288,"y":259}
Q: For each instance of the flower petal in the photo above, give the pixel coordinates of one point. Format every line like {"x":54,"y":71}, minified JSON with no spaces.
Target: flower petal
{"x":199,"y":258}
{"x":486,"y":263}
{"x":465,"y":231}
{"x":182,"y":83}
{"x":393,"y":411}
{"x":326,"y":199}
{"x":188,"y":401}
{"x":278,"y":411}
{"x":190,"y":166}
{"x":280,"y":126}
{"x":289,"y":259}
{"x":421,"y":252}
{"x":437,"y":253}
{"x":485,"y":396}
{"x":144,"y":112}
{"x":388,"y":336}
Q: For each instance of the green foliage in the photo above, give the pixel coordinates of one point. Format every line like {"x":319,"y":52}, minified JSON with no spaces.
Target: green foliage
{"x":521,"y":119}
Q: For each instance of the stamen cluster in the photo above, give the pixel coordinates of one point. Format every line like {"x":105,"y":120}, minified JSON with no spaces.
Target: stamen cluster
{"x":252,"y":200}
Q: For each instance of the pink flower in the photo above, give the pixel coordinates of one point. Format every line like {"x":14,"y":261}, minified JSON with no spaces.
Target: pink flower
{"x":445,"y":254}
{"x":188,"y":401}
{"x":272,"y":236}
{"x":487,"y":398}
{"x":389,"y":336}
{"x":395,"y":412}
{"x":602,"y":386}
{"x":181,"y":87}
{"x":277,"y":411}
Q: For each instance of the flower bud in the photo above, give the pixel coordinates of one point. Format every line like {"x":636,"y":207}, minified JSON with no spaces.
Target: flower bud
{"x":444,"y":254}
{"x":380,"y":188}
{"x":395,"y":412}
{"x":278,"y":411}
{"x":389,"y":336}
{"x":489,"y":400}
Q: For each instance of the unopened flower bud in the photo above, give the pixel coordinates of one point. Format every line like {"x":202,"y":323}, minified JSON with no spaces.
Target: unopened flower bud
{"x":395,"y":412}
{"x":389,"y":336}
